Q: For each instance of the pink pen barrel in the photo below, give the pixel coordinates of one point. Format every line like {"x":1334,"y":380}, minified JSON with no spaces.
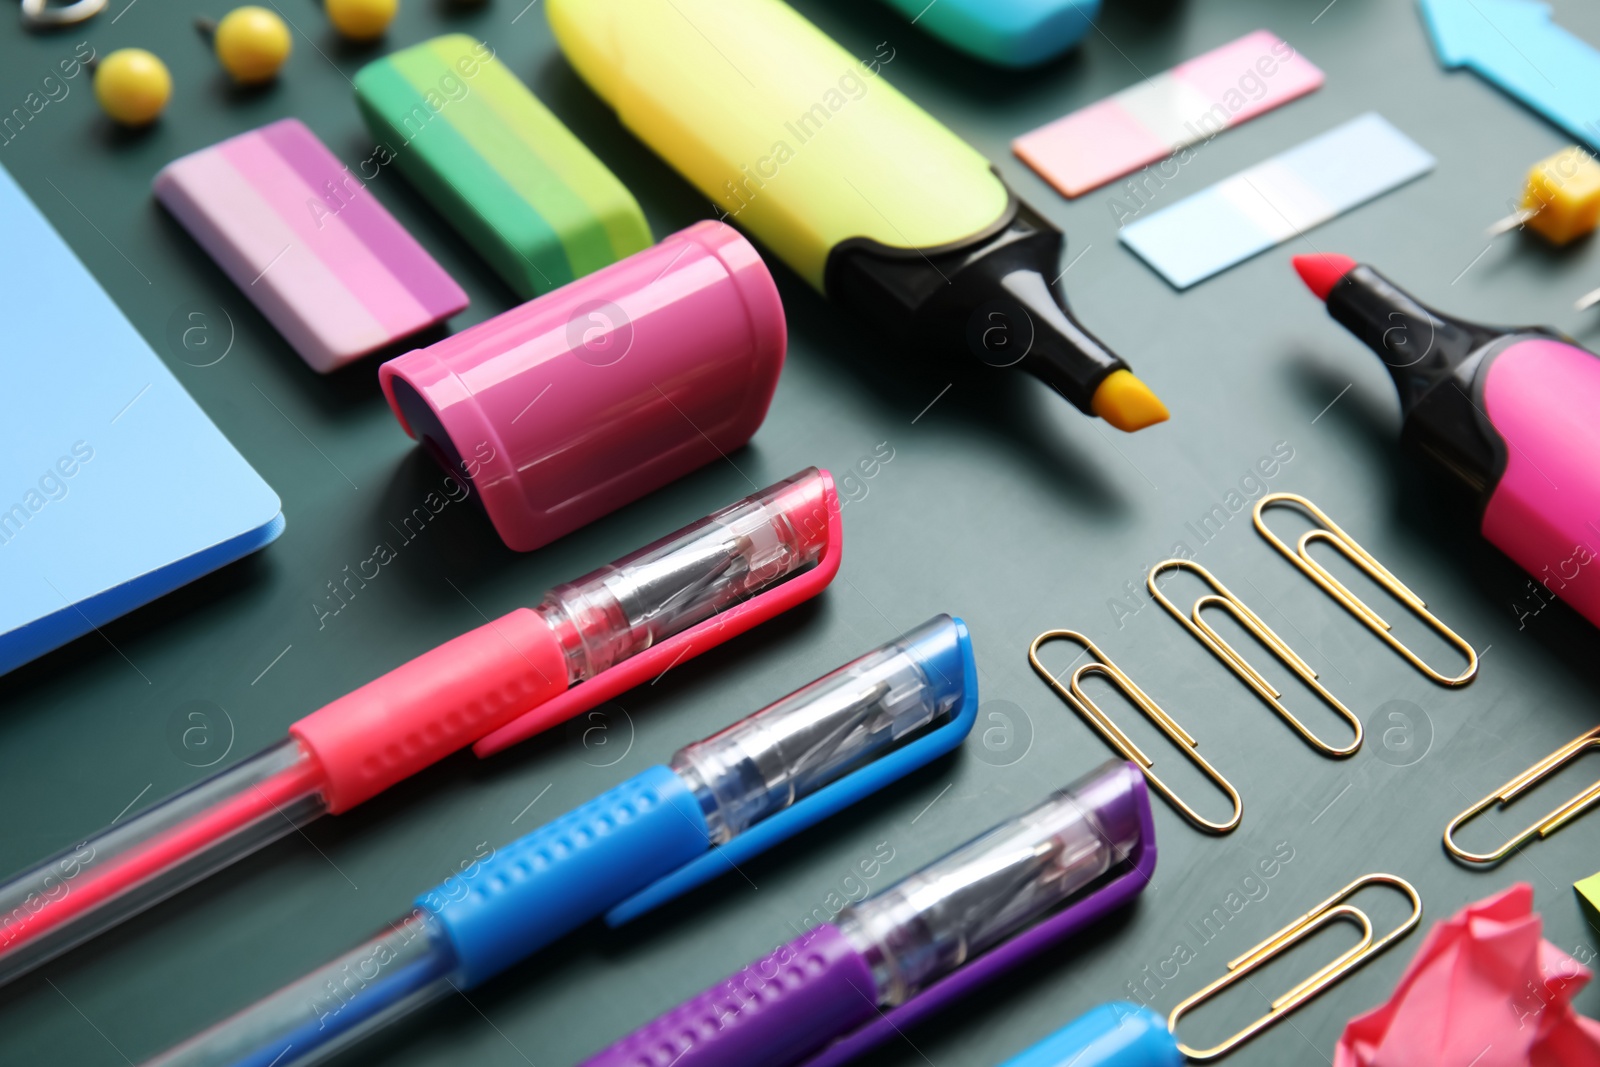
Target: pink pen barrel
{"x":336,"y":757}
{"x":1543,"y":397}
{"x":132,"y":865}
{"x":442,"y":701}
{"x":585,"y":642}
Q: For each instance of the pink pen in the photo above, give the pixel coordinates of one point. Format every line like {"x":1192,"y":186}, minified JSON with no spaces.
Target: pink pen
{"x":584,"y":643}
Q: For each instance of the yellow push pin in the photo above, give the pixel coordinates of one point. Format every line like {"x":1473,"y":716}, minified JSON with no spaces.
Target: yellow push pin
{"x":251,"y":43}
{"x":1561,"y":200}
{"x":132,"y":85}
{"x":361,"y":20}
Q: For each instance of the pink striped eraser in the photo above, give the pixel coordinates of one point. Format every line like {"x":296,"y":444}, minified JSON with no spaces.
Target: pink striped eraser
{"x":307,"y":243}
{"x":1190,"y":103}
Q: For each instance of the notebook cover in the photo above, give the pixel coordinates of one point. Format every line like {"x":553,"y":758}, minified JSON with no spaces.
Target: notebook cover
{"x":115,"y":488}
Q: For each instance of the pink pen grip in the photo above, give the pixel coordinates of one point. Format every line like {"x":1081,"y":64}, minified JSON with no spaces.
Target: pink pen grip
{"x":1543,"y":397}
{"x":420,"y":712}
{"x":776,"y":1011}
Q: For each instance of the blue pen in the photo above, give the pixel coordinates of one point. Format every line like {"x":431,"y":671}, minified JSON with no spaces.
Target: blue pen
{"x":1118,"y":1034}
{"x":654,"y":837}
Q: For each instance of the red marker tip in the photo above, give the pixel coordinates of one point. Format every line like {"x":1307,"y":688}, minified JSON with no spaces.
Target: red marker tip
{"x":1322,"y":271}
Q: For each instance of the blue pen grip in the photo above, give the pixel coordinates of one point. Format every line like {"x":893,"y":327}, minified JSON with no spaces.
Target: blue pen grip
{"x":567,"y":872}
{"x":1118,"y":1034}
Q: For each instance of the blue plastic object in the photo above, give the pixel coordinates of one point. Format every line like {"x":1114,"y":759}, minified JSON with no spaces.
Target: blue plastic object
{"x":568,"y":871}
{"x":1010,"y":33}
{"x":1118,"y":1034}
{"x":115,"y":488}
{"x":646,"y":841}
{"x":947,"y":652}
{"x":1515,"y":45}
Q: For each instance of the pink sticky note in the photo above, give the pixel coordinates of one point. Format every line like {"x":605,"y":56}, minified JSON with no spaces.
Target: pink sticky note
{"x":308,"y":243}
{"x":1190,"y":103}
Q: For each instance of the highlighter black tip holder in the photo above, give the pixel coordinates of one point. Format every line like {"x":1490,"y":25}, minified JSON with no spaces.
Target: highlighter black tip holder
{"x":1507,"y":412}
{"x":989,"y":297}
{"x":868,"y":197}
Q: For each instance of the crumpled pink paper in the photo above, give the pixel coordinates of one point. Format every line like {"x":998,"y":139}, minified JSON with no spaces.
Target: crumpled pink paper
{"x":1485,"y":989}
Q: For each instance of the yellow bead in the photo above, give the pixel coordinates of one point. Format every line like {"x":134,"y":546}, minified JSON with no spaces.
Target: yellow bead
{"x":1564,"y":190}
{"x":361,"y":20}
{"x":132,"y":86}
{"x":251,"y":44}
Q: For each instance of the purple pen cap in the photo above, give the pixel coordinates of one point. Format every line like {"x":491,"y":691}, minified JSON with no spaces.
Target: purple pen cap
{"x":1109,"y":795}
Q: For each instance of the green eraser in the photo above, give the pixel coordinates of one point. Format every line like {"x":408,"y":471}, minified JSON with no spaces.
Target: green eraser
{"x":1589,"y":896}
{"x":495,"y":162}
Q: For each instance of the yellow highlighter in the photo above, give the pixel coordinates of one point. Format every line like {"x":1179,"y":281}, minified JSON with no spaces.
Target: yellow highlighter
{"x":870,"y":198}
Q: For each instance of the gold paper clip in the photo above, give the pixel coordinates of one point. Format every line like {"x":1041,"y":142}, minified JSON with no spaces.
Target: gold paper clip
{"x":1203,"y":632}
{"x":1080,"y":702}
{"x":1514,"y":788}
{"x":41,"y":15}
{"x":1328,"y":911}
{"x":1363,"y":560}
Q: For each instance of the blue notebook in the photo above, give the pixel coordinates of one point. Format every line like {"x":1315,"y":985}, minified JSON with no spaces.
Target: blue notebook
{"x":114,"y":486}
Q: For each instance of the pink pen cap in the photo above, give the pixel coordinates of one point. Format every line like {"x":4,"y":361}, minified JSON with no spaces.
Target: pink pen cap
{"x":586,"y":398}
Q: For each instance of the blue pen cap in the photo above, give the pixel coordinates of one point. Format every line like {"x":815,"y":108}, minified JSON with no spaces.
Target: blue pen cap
{"x":791,"y":749}
{"x":1118,"y":1034}
{"x":939,"y":656}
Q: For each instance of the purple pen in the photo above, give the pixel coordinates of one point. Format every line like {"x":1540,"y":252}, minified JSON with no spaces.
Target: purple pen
{"x":838,"y":990}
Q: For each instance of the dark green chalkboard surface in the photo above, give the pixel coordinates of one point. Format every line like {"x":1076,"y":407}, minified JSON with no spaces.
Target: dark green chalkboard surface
{"x":997,"y":502}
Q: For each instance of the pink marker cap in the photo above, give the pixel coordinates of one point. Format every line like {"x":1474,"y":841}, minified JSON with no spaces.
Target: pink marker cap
{"x":579,"y":401}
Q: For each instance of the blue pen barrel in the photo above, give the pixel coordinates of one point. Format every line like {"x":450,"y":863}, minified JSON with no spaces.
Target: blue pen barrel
{"x":469,"y":927}
{"x":567,"y":872}
{"x":1118,"y":1034}
{"x":595,"y":856}
{"x":401,"y":968}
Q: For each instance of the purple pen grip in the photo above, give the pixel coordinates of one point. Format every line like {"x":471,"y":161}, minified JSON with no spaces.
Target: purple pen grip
{"x":777,"y":1010}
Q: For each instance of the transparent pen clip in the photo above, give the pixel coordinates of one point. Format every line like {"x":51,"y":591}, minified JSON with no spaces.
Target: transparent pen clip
{"x":829,"y":800}
{"x":654,"y":661}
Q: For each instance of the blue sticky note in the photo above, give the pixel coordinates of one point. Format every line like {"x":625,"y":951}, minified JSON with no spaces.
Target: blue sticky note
{"x":1273,"y":201}
{"x":115,"y":488}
